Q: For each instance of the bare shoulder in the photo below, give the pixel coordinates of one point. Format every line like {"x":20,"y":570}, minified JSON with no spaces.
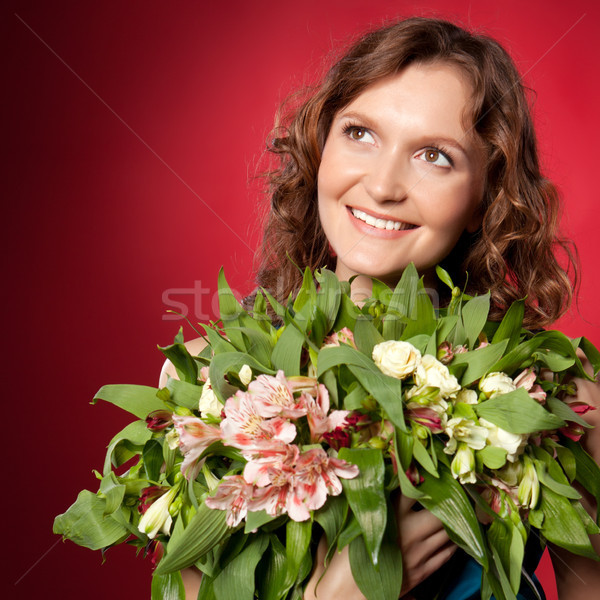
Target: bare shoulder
{"x":194,"y":347}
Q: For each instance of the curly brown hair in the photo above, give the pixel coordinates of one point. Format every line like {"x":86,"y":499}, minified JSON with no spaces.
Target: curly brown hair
{"x":513,"y":254}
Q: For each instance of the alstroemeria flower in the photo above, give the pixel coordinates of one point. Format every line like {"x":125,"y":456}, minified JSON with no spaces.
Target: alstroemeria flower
{"x":209,"y":404}
{"x":343,"y":336}
{"x":466,"y":432}
{"x":245,"y":428}
{"x":396,"y":359}
{"x":574,"y":430}
{"x":273,"y":397}
{"x":463,"y":464}
{"x":320,"y":420}
{"x":158,"y":420}
{"x":195,"y":436}
{"x":526,"y":380}
{"x":157,"y":517}
{"x":427,"y":417}
{"x":317,"y":476}
{"x":233,"y":495}
{"x":513,"y":443}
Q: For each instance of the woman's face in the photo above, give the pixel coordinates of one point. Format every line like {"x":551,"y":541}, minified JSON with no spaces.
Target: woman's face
{"x":401,"y":177}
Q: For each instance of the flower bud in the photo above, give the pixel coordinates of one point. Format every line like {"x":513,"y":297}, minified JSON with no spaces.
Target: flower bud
{"x":463,"y":464}
{"x":529,"y":488}
{"x":245,"y":374}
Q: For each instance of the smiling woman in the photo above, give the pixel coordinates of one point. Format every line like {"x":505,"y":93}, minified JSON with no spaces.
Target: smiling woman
{"x":401,"y":175}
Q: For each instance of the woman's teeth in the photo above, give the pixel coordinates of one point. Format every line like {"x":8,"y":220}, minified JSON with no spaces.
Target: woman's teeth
{"x":380,"y":223}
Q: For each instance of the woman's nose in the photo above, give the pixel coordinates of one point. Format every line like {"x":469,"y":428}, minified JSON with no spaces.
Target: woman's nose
{"x":386,"y":178}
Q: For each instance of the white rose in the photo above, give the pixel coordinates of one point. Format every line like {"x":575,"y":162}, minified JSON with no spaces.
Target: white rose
{"x":245,"y":374}
{"x":513,"y":443}
{"x":467,"y":396}
{"x":397,"y":359}
{"x":432,"y":373}
{"x":209,"y":403}
{"x":497,"y":383}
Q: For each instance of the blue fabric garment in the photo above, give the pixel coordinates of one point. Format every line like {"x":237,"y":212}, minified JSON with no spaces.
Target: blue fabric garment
{"x":460,"y":578}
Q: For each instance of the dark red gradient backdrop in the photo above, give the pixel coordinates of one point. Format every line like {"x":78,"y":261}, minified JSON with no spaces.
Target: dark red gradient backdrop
{"x":132,"y":133}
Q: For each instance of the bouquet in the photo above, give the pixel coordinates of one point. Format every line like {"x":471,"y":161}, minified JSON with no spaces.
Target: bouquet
{"x":304,"y":420}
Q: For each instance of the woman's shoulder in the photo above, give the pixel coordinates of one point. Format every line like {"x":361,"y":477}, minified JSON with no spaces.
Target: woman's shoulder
{"x":194,"y":347}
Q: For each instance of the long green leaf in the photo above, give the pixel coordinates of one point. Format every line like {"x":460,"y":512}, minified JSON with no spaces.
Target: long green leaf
{"x":183,"y":393}
{"x":511,"y":325}
{"x":381,"y":582}
{"x":167,"y":587}
{"x":206,"y":529}
{"x":474,"y":315}
{"x":448,"y":501}
{"x":518,"y":412}
{"x":587,"y":472}
{"x":139,"y":400}
{"x":184,"y":363}
{"x":288,"y":350}
{"x":366,"y":496}
{"x":297,"y":539}
{"x":231,"y":362}
{"x":236,"y":581}
{"x":126,"y":444}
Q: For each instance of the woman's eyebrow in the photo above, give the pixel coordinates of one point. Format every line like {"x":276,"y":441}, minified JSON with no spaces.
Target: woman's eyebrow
{"x":361,"y":118}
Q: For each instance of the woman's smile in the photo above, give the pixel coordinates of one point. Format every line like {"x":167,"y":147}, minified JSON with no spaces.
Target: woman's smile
{"x":401,"y":175}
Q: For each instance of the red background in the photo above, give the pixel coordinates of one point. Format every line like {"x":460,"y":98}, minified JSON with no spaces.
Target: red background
{"x":133,"y":131}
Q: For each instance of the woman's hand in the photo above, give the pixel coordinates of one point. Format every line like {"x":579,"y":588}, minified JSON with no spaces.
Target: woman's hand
{"x":425,"y":548}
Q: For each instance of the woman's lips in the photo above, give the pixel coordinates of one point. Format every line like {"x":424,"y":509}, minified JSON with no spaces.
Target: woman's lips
{"x":378,"y":224}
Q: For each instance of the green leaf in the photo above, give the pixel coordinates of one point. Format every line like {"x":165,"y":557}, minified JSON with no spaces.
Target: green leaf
{"x":288,"y":351}
{"x":423,"y":458}
{"x":257,"y":519}
{"x":112,"y":491}
{"x":479,"y":362}
{"x":185,"y":365}
{"x":474,"y":314}
{"x":139,"y":400}
{"x":592,"y":354}
{"x":126,"y":444}
{"x":444,"y":276}
{"x":85,"y":523}
{"x":508,"y":543}
{"x":351,"y":531}
{"x":183,"y":393}
{"x":231,"y":362}
{"x":381,"y":582}
{"x":448,"y":501}
{"x":588,"y":472}
{"x":562,"y":525}
{"x":365,"y":495}
{"x":492,"y":457}
{"x":518,"y":412}
{"x":511,"y":325}
{"x":207,"y":588}
{"x":331,"y":518}
{"x":167,"y":587}
{"x":366,"y":335}
{"x":297,"y":539}
{"x":271,"y":583}
{"x":230,"y":310}
{"x":258,"y":343}
{"x":563,"y":411}
{"x":236,"y":580}
{"x":386,"y":390}
{"x":206,"y":529}
{"x":152,"y":456}
{"x":328,"y":296}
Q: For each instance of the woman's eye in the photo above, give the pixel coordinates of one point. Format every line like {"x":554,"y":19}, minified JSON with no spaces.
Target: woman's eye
{"x":359,"y":134}
{"x":435,"y":157}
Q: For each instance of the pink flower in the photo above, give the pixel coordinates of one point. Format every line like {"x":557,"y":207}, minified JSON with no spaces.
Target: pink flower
{"x":273,"y":466}
{"x":526,"y":380}
{"x":317,"y":475}
{"x":158,"y":420}
{"x":195,"y":436}
{"x":245,"y":428}
{"x":274,"y":397}
{"x":427,"y":417}
{"x":233,"y":495}
{"x":343,"y":336}
{"x":573,"y":430}
{"x":319,"y":421}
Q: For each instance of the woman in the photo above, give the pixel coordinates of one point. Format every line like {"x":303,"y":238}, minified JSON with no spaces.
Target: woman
{"x":419,"y":147}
